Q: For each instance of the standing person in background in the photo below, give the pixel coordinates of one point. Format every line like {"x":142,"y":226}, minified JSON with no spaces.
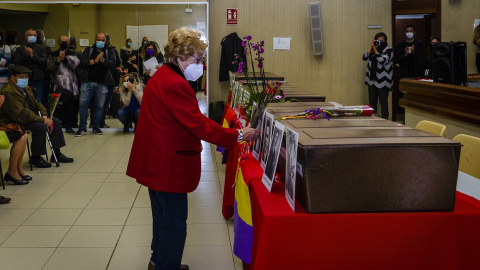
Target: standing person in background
{"x":96,"y":62}
{"x":126,"y":51}
{"x":168,"y":140}
{"x":73,"y":47}
{"x":149,"y":51}
{"x":116,"y":79}
{"x":410,"y":56}
{"x":63,"y":63}
{"x":11,"y":41}
{"x":379,"y":72}
{"x":5,"y":59}
{"x":47,"y":80}
{"x":429,"y":56}
{"x":34,"y":57}
{"x":139,"y":58}
{"x":476,"y":41}
{"x":130,"y":65}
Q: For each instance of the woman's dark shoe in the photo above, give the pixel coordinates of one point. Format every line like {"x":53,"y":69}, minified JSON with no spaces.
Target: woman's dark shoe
{"x":9,"y":178}
{"x":26,"y":177}
{"x":126,"y":130}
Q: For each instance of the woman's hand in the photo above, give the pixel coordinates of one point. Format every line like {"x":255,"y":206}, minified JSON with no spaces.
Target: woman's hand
{"x":130,"y":86}
{"x":250,"y":134}
{"x":147,"y":72}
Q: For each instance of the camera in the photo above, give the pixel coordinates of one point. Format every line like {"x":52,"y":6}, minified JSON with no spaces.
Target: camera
{"x":377,"y":42}
{"x":131,"y":79}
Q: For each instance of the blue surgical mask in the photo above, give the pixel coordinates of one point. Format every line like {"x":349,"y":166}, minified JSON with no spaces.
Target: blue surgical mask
{"x":32,"y":39}
{"x":22,"y":83}
{"x":100,"y":44}
{"x":129,"y":44}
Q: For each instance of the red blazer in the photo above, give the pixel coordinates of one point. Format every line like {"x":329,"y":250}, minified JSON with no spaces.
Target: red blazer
{"x":166,"y":150}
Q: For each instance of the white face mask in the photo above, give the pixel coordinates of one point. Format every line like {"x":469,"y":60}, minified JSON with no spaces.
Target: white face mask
{"x":125,"y":84}
{"x":409,"y":35}
{"x":193,"y":71}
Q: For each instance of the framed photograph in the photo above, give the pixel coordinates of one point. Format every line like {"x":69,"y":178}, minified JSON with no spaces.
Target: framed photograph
{"x":274,"y":152}
{"x":258,"y":142}
{"x":267,"y":133}
{"x":291,"y":166}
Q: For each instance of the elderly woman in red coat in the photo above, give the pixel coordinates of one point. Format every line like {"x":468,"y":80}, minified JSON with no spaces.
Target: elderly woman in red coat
{"x":165,"y":155}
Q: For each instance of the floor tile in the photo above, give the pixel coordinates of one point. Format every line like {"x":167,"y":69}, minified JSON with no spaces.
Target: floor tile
{"x":67,"y":201}
{"x":130,"y":258}
{"x":5,"y":232}
{"x":119,"y":177}
{"x":208,"y":177}
{"x":112,"y":201}
{"x":79,"y":188}
{"x":36,"y":236}
{"x":14,"y":216}
{"x":208,"y":167}
{"x":53,"y":217}
{"x":207,"y":235}
{"x":119,"y":188}
{"x":140,"y":216}
{"x":24,"y":258}
{"x":91,"y":236}
{"x":197,"y":198}
{"x":200,"y":257}
{"x":88,"y":178}
{"x":205,"y":215}
{"x":142,"y":200}
{"x":79,"y":259}
{"x":136,"y":236}
{"x":208,"y":187}
{"x":38,"y":188}
{"x":45,"y":177}
{"x":103,"y":217}
{"x":25,"y":201}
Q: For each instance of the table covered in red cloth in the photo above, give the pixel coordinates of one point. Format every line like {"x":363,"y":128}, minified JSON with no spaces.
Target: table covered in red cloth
{"x":283,"y":239}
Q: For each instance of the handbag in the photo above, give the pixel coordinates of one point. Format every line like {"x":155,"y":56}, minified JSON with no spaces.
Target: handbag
{"x":4,"y":141}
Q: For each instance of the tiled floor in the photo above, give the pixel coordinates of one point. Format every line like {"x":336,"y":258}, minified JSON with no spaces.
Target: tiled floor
{"x":89,"y":215}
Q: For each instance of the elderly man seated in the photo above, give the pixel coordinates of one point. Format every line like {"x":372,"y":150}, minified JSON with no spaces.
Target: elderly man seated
{"x":21,"y":107}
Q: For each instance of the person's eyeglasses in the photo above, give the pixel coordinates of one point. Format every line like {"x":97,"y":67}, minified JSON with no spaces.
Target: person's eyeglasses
{"x":199,"y":59}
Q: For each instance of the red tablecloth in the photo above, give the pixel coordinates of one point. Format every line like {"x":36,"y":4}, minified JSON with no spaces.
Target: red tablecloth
{"x":283,"y":239}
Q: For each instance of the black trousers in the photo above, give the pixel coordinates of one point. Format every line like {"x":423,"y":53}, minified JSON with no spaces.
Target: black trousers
{"x":39,"y":136}
{"x":477,"y":62}
{"x":169,"y":212}
{"x":66,"y":113}
{"x":375,"y":94}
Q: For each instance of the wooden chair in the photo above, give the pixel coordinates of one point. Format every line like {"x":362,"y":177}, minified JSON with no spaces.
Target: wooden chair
{"x":469,"y":155}
{"x":432,"y":127}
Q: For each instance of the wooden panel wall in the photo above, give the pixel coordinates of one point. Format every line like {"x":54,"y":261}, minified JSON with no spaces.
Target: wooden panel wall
{"x":339,"y":74}
{"x":457,"y":25}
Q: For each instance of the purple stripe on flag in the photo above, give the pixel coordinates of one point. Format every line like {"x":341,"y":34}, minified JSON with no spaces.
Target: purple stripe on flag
{"x":242,"y":243}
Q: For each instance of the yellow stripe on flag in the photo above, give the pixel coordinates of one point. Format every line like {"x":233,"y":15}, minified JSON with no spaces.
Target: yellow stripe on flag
{"x":242,"y":196}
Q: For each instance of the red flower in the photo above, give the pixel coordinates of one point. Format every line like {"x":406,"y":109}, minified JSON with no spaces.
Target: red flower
{"x":55,"y":95}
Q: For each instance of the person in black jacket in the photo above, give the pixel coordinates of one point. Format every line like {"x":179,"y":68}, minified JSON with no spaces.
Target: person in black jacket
{"x":231,"y":45}
{"x":410,"y":54}
{"x":97,"y":61}
{"x":111,"y":88}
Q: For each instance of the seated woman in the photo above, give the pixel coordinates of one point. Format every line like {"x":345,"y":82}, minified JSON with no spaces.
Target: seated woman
{"x":15,"y":171}
{"x":131,"y":93}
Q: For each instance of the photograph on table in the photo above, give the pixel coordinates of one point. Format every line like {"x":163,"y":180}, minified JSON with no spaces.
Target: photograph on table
{"x":267,"y":134}
{"x":274,"y":152}
{"x":258,"y":142}
{"x":291,"y":166}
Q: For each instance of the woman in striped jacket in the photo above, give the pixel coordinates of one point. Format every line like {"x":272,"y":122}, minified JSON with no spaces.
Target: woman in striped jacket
{"x":379,"y":72}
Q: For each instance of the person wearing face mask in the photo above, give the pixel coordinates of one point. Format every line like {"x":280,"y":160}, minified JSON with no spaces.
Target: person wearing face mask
{"x":96,"y":61}
{"x":166,"y":151}
{"x":429,"y":56}
{"x":151,"y":50}
{"x":34,"y":57}
{"x":126,"y":51}
{"x":5,"y":60}
{"x":23,"y":109}
{"x":410,"y":59}
{"x":131,"y":93}
{"x":138,"y":53}
{"x":63,"y":63}
{"x":379,"y":72}
{"x":130,"y":66}
{"x":476,"y":42}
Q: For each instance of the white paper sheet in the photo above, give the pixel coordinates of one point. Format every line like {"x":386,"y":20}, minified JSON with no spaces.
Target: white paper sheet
{"x":150,"y":65}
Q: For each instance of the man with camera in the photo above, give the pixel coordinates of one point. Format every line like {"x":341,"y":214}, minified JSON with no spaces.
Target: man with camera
{"x":97,"y":61}
{"x":410,"y":54}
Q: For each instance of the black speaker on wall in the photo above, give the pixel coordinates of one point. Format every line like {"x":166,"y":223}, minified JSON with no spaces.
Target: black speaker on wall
{"x":450,"y":63}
